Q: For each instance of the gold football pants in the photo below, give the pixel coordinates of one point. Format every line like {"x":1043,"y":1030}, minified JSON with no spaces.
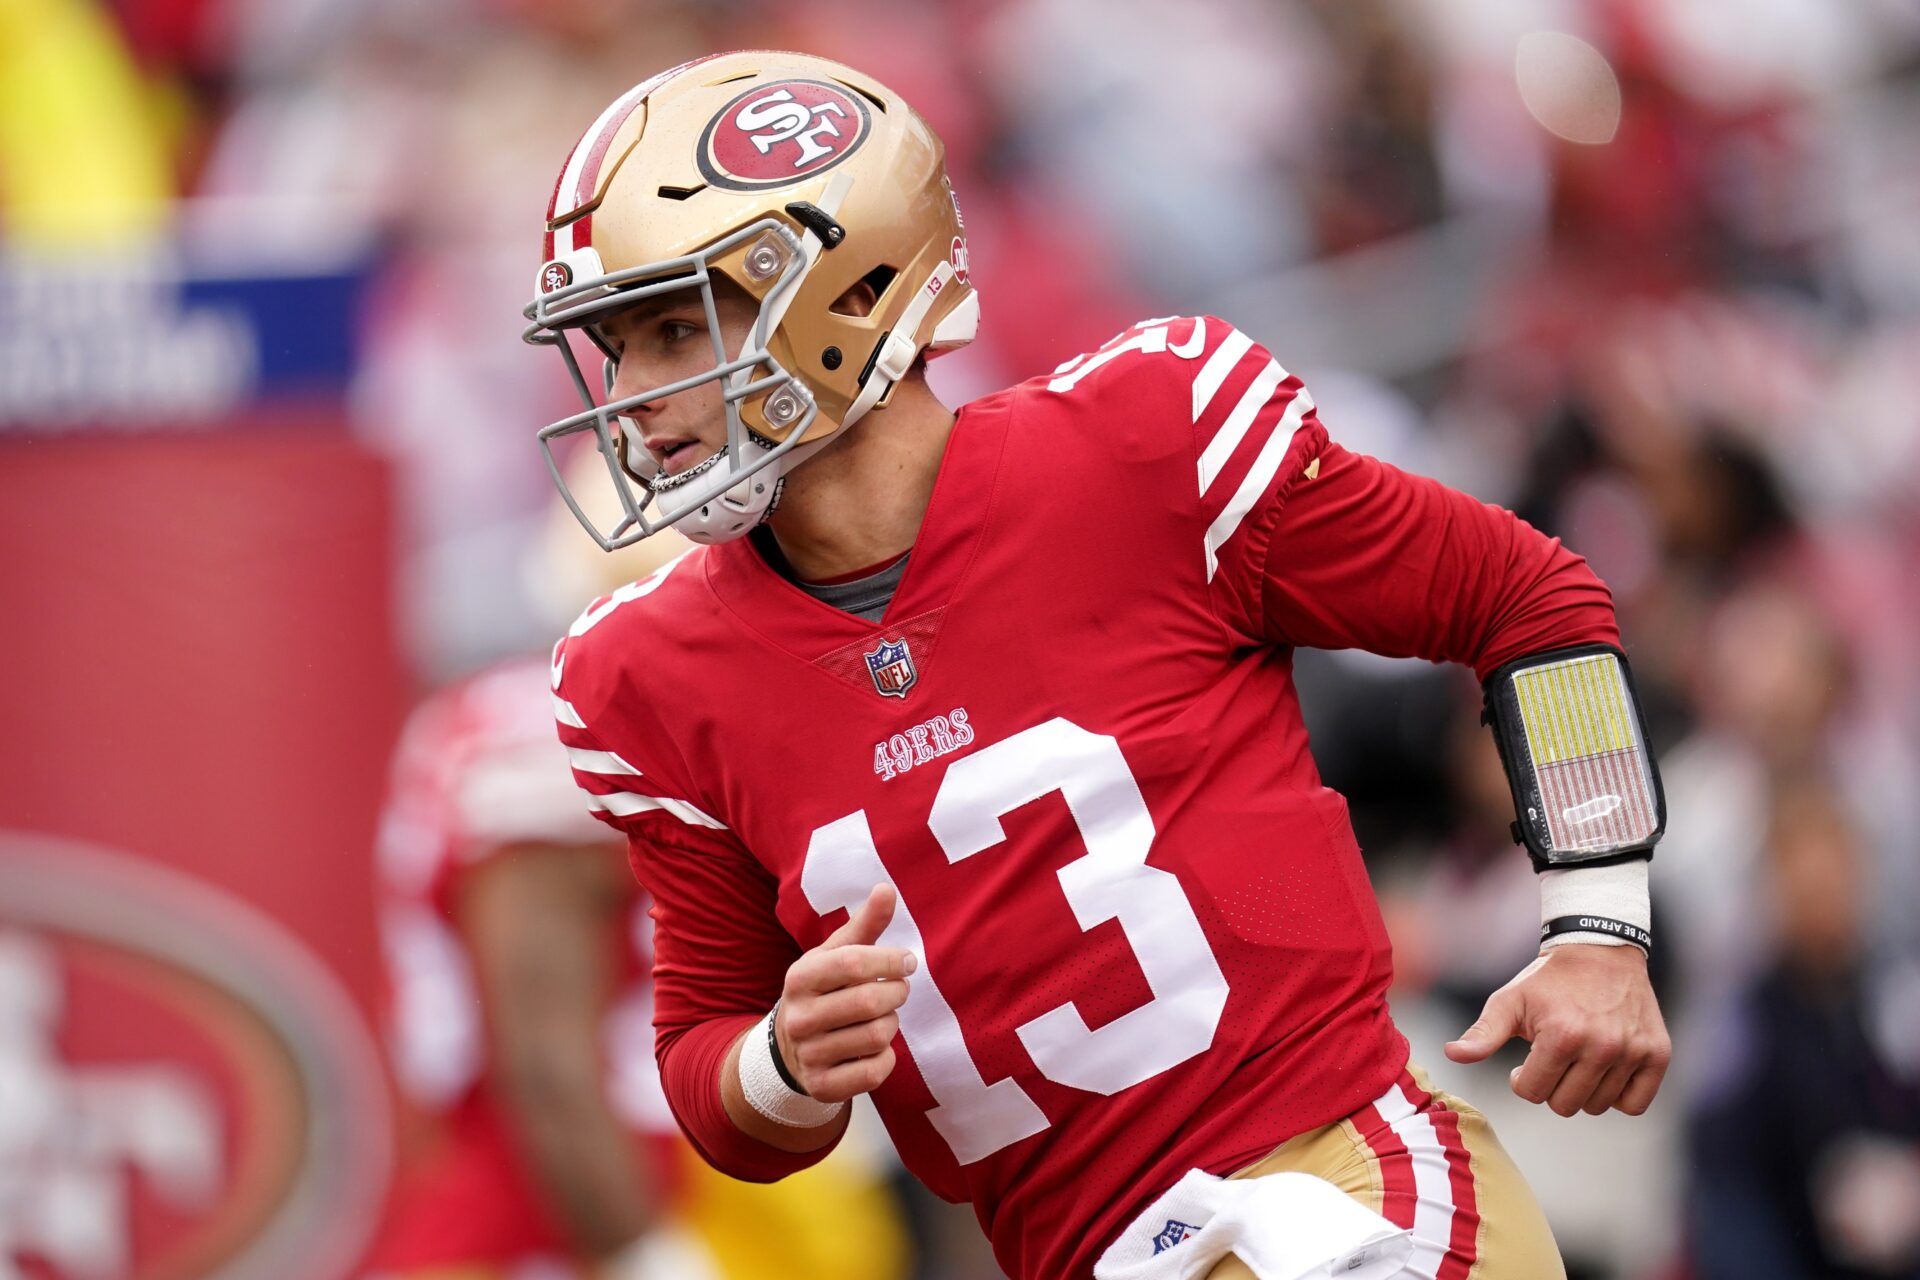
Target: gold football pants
{"x":1427,"y":1160}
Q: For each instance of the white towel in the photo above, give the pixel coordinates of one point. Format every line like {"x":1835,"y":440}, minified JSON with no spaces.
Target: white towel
{"x":1284,"y":1226}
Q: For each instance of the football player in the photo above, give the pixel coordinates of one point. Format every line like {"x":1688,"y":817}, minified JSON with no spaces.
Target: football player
{"x":963,"y":761}
{"x":519,"y":1027}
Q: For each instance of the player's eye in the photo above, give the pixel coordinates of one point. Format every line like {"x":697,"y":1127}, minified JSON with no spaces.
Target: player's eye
{"x":676,"y":330}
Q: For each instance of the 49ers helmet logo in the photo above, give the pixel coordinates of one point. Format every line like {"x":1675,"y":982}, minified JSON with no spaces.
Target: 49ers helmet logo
{"x":780,"y":133}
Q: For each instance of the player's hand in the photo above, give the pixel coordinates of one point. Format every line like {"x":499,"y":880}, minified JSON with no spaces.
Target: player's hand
{"x":838,"y":1014}
{"x":1598,"y":1038}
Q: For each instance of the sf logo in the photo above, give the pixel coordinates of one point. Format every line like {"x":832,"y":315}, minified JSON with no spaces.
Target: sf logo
{"x":557,"y":275}
{"x":786,"y":120}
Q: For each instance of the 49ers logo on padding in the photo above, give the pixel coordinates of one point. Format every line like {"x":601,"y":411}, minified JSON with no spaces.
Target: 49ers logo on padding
{"x":780,"y":133}
{"x":190,"y":1091}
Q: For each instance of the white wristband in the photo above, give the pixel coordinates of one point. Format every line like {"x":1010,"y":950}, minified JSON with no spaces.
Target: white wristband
{"x":767,"y":1093}
{"x":1616,"y":892}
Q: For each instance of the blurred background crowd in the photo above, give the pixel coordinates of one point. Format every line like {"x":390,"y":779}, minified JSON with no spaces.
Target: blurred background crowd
{"x":1647,"y":271}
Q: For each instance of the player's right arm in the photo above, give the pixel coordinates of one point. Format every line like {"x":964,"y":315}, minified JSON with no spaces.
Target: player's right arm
{"x":725,"y":968}
{"x":835,"y":1024}
{"x":721,"y":963}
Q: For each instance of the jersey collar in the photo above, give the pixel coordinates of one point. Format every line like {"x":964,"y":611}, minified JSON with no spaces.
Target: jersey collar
{"x":961,"y":506}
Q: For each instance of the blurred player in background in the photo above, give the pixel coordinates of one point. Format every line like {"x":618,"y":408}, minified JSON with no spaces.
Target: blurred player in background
{"x":518,"y":948}
{"x":964,"y":763}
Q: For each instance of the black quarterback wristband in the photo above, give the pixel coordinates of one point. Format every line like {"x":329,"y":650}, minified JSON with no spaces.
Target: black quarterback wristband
{"x":773,"y":1051}
{"x":1633,"y":933}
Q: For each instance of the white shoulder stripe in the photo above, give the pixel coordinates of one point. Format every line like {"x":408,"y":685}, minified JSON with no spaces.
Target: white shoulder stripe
{"x":604,"y":762}
{"x":563,"y":712}
{"x":1234,"y":429}
{"x":625,"y":804}
{"x":1256,"y":481}
{"x":1215,"y":370}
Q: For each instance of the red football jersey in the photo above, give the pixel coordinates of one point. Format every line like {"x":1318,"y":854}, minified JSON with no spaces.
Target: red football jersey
{"x":477,"y":773}
{"x":1147,"y":939}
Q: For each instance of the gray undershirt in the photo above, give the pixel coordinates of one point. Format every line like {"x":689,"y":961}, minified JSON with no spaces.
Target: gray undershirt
{"x":865,"y":598}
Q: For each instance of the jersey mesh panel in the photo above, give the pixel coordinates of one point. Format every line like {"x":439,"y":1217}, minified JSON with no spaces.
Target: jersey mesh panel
{"x":849,"y":662}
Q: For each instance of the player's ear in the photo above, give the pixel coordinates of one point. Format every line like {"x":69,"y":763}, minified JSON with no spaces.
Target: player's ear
{"x":858,"y":300}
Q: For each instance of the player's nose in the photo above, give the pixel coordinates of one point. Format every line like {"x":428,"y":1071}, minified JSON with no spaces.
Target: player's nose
{"x":630,"y":378}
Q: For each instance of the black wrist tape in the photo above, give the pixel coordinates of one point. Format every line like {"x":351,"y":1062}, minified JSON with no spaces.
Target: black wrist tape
{"x":780,"y":1063}
{"x":1633,"y":933}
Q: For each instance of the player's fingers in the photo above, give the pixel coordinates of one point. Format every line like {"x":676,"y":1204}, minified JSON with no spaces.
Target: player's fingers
{"x":830,"y":970}
{"x":817,"y":1015}
{"x":862,"y":1040}
{"x":1498,"y":1023}
{"x":868,"y":920}
{"x":849,"y":1079}
{"x":1638,"y":1095}
{"x":1611,"y":1085}
{"x":1578,"y":1084}
{"x":1552,"y":1053}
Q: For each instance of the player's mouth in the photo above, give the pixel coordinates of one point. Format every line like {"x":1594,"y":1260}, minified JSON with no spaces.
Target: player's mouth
{"x":681,"y":460}
{"x":677,"y":456}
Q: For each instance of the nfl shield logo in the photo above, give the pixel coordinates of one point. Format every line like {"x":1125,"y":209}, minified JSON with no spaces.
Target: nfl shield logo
{"x":1175,"y":1232}
{"x":891,"y":666}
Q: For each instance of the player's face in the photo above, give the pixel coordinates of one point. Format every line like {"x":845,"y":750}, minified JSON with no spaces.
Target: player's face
{"x":664,"y":340}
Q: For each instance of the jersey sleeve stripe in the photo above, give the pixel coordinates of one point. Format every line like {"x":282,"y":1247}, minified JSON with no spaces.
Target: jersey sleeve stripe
{"x":1214,"y":372}
{"x":601,"y":762}
{"x":626,"y":804}
{"x":1256,"y":481}
{"x":563,"y":712}
{"x":1234,"y":429}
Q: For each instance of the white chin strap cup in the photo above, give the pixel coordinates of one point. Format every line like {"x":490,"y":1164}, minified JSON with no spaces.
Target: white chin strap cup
{"x":730,"y":514}
{"x":959,"y":327}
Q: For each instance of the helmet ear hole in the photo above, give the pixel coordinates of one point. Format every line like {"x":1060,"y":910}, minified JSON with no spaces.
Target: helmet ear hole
{"x":863,"y":296}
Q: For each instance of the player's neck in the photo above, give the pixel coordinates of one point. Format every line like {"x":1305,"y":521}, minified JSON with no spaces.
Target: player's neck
{"x":860,"y":501}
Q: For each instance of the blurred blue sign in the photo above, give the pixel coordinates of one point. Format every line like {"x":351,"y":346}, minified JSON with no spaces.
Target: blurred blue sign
{"x":148,"y":342}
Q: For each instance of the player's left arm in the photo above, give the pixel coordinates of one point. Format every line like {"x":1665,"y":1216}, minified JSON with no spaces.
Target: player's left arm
{"x":1353,"y":553}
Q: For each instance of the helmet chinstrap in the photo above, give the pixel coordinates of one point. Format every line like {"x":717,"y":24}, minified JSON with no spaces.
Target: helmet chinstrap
{"x":666,"y":483}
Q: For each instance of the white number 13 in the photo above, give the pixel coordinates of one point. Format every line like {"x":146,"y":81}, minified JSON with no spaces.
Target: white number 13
{"x":1111,"y":881}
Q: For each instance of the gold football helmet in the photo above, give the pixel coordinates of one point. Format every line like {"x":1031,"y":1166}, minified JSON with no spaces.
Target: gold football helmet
{"x":795,"y":178}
